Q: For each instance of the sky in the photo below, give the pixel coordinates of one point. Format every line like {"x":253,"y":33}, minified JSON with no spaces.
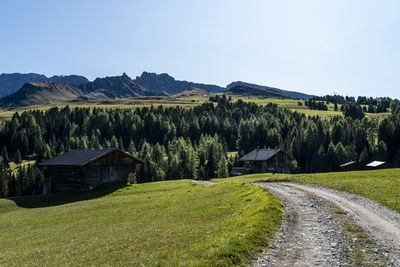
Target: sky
{"x":313,"y":46}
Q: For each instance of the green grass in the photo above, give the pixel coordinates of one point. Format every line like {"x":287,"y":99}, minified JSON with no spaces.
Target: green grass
{"x":127,"y":103}
{"x":382,"y":186}
{"x":182,"y":101}
{"x":174,"y":223}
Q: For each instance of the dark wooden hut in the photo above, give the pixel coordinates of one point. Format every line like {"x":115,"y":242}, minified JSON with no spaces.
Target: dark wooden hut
{"x":350,"y":166}
{"x":81,"y":169}
{"x":376,"y":165}
{"x":267,"y":160}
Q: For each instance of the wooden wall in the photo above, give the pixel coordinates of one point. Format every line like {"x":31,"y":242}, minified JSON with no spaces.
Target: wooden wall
{"x":64,"y":178}
{"x":283,"y":164}
{"x":113,"y":167}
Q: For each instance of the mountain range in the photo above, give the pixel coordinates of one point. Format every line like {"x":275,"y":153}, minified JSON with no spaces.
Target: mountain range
{"x":10,"y":83}
{"x":290,"y":94}
{"x":253,"y":91}
{"x":31,"y":89}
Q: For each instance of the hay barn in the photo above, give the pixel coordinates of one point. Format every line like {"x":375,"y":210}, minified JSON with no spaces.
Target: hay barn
{"x":81,"y":169}
{"x":376,"y":165}
{"x":350,"y":166}
{"x":267,"y":160}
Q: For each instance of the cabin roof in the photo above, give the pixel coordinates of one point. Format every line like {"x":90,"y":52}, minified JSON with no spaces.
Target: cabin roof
{"x":375,"y":163}
{"x":348,"y":163}
{"x":260,"y":154}
{"x":81,"y":157}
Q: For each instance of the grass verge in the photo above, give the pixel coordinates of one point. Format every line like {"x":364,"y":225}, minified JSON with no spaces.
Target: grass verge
{"x":382,"y":186}
{"x":172,"y":223}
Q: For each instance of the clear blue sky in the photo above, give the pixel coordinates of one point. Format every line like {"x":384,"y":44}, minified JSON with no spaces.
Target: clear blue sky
{"x":320,"y":47}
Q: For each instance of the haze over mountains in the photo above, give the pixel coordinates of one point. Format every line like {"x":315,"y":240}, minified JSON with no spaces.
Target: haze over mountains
{"x":31,"y":89}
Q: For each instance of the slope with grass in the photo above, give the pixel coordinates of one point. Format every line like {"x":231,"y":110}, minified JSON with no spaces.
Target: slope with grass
{"x":190,"y":98}
{"x":367,"y":235}
{"x":165,"y":223}
{"x":251,"y":91}
{"x":382,"y":186}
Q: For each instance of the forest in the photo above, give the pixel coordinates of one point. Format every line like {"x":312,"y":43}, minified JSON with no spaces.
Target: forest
{"x":192,"y":143}
{"x":370,"y":104}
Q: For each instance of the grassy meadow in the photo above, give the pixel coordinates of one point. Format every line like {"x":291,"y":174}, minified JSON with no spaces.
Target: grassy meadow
{"x":182,"y":101}
{"x":173,"y":223}
{"x":382,"y":186}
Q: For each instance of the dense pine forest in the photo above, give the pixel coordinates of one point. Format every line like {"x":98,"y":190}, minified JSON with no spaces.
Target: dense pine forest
{"x":370,"y":104}
{"x":178,"y":143}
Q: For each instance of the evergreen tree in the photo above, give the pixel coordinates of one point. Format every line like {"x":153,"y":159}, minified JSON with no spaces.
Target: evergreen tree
{"x":132,"y":148}
{"x":331,"y":157}
{"x":17,"y":157}
{"x":364,"y":157}
{"x":222,"y":168}
{"x":121,"y":144}
{"x":4,"y":154}
{"x":175,"y":170}
{"x":114,"y":142}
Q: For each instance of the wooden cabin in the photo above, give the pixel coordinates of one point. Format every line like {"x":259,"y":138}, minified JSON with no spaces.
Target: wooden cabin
{"x":350,"y":166}
{"x":82,"y":169}
{"x":267,"y":160}
{"x":376,"y":165}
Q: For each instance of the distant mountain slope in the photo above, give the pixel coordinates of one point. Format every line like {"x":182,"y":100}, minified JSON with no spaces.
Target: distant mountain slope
{"x":192,"y":91}
{"x":114,"y":87}
{"x":251,"y":91}
{"x":35,"y":93}
{"x":10,"y":83}
{"x":40,"y":90}
{"x":291,"y":94}
{"x":165,"y":84}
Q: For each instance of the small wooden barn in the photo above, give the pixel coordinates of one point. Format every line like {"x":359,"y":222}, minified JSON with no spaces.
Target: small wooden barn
{"x":81,"y":169}
{"x":350,"y":166}
{"x":375,"y":165}
{"x":267,"y":160}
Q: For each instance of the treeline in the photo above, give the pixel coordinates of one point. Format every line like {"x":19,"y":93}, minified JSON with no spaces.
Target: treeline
{"x":370,"y":104}
{"x":315,"y":105}
{"x":193,"y":143}
{"x":25,"y":180}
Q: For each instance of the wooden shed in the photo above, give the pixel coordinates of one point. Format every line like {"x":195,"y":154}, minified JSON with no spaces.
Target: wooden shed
{"x":267,"y":160}
{"x":375,"y":165}
{"x":350,"y":166}
{"x":81,"y":169}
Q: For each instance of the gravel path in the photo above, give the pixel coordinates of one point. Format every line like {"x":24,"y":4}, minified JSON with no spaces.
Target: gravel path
{"x":203,"y":182}
{"x":309,"y":236}
{"x":324,"y":227}
{"x":383,"y":223}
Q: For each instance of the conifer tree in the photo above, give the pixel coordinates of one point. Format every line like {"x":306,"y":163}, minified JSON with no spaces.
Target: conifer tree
{"x":17,"y":157}
{"x":222,"y":168}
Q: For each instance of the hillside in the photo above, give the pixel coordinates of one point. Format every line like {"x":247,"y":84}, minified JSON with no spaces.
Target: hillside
{"x":291,"y":94}
{"x":167,"y":85}
{"x":193,"y":92}
{"x":10,"y":83}
{"x":114,"y":87}
{"x":251,"y":91}
{"x":148,"y":84}
{"x":35,"y":93}
{"x":174,"y":223}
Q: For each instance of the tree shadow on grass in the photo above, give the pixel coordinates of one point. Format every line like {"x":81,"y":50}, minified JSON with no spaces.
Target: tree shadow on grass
{"x":55,"y":199}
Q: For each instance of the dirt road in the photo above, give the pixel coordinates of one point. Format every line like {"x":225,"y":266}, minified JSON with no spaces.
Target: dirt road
{"x":203,"y":182}
{"x":324,"y":227}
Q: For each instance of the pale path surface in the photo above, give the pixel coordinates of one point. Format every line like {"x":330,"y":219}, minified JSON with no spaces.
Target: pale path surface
{"x":310,"y":238}
{"x":203,"y":182}
{"x":381,"y":221}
